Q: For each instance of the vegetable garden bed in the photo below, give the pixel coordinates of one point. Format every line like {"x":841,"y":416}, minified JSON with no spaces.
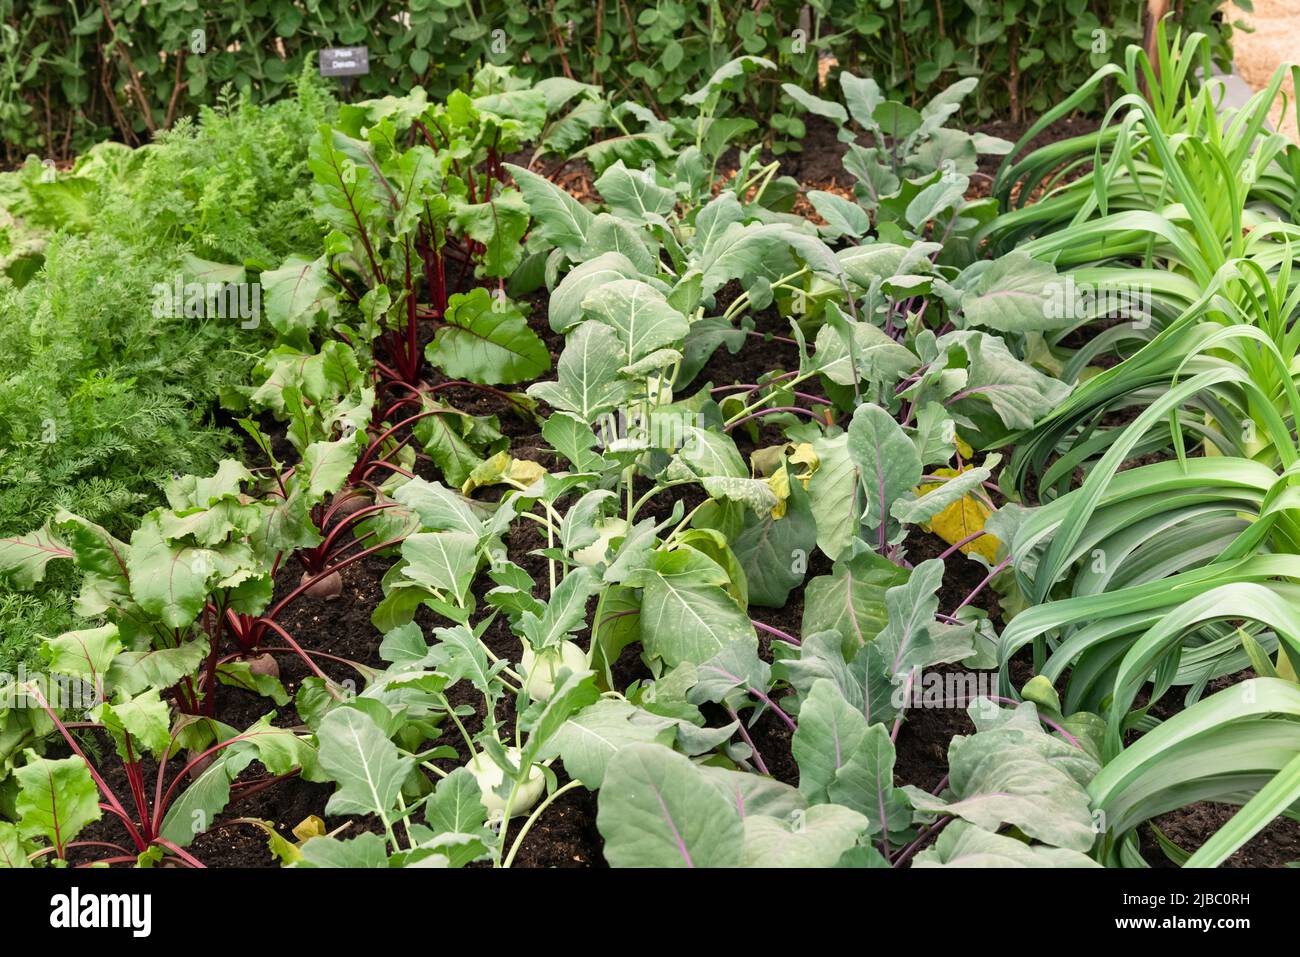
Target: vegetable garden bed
{"x":610,"y":491}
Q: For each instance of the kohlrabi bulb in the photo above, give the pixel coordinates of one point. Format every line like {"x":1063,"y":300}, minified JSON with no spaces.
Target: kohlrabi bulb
{"x":542,"y":668}
{"x":606,"y":530}
{"x":489,"y":777}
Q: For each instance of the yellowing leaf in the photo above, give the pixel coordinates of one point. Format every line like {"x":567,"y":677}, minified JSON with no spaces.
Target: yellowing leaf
{"x":309,"y":827}
{"x":805,"y":455}
{"x":502,"y":468}
{"x":524,"y":471}
{"x":962,"y":519}
{"x":779,"y":482}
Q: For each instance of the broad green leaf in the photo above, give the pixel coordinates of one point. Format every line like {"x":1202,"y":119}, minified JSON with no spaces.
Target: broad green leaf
{"x":876,"y":358}
{"x":656,"y":809}
{"x":754,"y":494}
{"x":13,"y":853}
{"x":639,"y":313}
{"x":543,"y":719}
{"x":817,"y":837}
{"x":459,"y":655}
{"x":965,"y":845}
{"x":565,"y":613}
{"x":169,"y":581}
{"x":297,"y":293}
{"x":86,"y":654}
{"x":325,"y":467}
{"x":851,"y":600}
{"x":1013,"y":294}
{"x":560,"y":219}
{"x":912,"y":638}
{"x":133,"y":671}
{"x":828,"y":109}
{"x":565,"y":308}
{"x":101,"y":559}
{"x":866,"y":784}
{"x":588,"y":741}
{"x":1018,"y":393}
{"x":912,"y":511}
{"x":588,"y":379}
{"x":751,"y":794}
{"x":23,"y":557}
{"x":611,"y":234}
{"x":829,"y":733}
{"x":499,"y":225}
{"x":442,"y":561}
{"x":438,"y":507}
{"x":833,"y":492}
{"x":487,"y":342}
{"x":737,"y":666}
{"x":362,"y":851}
{"x":775,"y":551}
{"x":684,"y":618}
{"x":634,"y":194}
{"x":730,"y":71}
{"x":56,"y":799}
{"x":367,"y":766}
{"x":711,"y":452}
{"x":1011,"y":775}
{"x":886,"y":459}
{"x":144,"y":718}
{"x":573,"y":438}
{"x":843,"y":217}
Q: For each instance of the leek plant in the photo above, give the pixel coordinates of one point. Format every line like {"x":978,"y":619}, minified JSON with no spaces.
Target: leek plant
{"x":1170,"y":574}
{"x":1187,"y":220}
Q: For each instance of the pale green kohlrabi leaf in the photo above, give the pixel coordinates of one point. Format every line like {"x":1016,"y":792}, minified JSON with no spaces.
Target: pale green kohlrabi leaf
{"x":558,"y":218}
{"x":1014,"y":773}
{"x":817,"y":837}
{"x":590,"y":739}
{"x":1014,"y":293}
{"x":912,"y":639}
{"x":876,"y":357}
{"x":656,"y":809}
{"x":588,"y":373}
{"x":835,"y":496}
{"x":639,"y":313}
{"x":888,"y":464}
{"x":634,"y":194}
{"x":367,"y":767}
{"x":850,"y":601}
{"x":565,"y":307}
{"x":686,"y":614}
{"x":965,"y":845}
{"x":1016,"y":392}
{"x":844,"y":760}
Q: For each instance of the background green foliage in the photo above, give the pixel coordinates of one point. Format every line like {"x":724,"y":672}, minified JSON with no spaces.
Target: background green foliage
{"x":65,"y":83}
{"x":101,"y":402}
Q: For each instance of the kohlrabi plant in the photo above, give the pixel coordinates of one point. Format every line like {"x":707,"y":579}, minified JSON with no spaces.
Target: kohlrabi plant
{"x":912,"y":178}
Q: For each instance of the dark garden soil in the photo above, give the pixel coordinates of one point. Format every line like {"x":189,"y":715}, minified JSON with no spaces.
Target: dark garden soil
{"x":820,"y":165}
